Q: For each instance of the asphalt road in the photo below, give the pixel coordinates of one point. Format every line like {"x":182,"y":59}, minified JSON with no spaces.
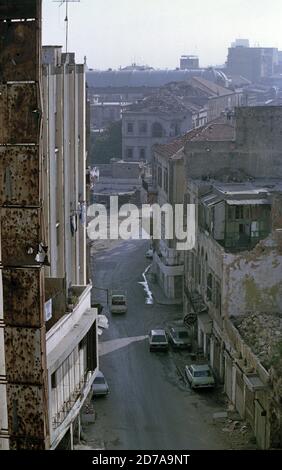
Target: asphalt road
{"x":150,"y":406}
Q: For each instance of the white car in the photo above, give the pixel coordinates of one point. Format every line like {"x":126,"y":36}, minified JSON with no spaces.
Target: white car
{"x":100,"y":386}
{"x":149,"y":254}
{"x":200,"y":376}
{"x":118,"y":303}
{"x":179,"y":337}
{"x":158,"y":340}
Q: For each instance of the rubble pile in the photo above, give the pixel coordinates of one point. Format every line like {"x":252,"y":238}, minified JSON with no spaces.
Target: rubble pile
{"x":263,"y":333}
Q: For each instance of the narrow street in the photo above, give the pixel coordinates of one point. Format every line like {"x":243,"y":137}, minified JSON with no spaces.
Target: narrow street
{"x":149,"y":406}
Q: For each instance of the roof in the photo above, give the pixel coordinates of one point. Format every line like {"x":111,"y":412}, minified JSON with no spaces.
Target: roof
{"x":164,"y":101}
{"x":215,"y":131}
{"x":142,"y":78}
{"x":208,"y":86}
{"x":170,"y":149}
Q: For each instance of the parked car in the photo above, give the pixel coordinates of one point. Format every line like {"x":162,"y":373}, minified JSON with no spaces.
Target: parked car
{"x":158,"y":340}
{"x":179,"y":337}
{"x":200,"y":376}
{"x":149,"y":254}
{"x":100,"y":386}
{"x":118,"y":303}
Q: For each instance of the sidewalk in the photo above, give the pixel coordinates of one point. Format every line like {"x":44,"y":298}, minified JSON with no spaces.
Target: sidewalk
{"x":157,"y":292}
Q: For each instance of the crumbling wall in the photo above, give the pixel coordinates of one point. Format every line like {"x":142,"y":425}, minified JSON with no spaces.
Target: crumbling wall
{"x":253,"y":280}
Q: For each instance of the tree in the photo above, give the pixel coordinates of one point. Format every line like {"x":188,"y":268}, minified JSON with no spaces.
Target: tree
{"x":106,"y":145}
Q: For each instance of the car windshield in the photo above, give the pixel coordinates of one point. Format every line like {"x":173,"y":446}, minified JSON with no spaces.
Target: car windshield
{"x":202,"y":373}
{"x":159,"y":338}
{"x":182,"y":334}
{"x":118,"y":301}
{"x":99,"y":380}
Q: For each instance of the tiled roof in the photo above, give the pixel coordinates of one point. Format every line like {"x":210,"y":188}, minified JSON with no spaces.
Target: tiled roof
{"x":213,"y":88}
{"x":164,"y":102}
{"x":217,"y":130}
{"x":170,"y":149}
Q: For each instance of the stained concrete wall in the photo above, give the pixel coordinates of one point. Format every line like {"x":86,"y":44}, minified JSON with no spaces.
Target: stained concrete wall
{"x":253,"y":280}
{"x":256,"y":150}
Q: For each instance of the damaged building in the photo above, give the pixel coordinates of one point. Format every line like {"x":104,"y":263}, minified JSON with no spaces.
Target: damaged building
{"x":48,"y":341}
{"x":235,"y":268}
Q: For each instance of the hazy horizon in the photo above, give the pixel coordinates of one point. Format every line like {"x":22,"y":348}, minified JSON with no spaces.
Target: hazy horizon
{"x":113,"y":34}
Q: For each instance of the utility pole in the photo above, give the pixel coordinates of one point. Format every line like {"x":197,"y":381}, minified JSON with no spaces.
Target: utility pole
{"x":66,"y":2}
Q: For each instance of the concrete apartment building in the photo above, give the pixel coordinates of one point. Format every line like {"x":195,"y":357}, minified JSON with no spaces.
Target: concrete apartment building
{"x":71,"y":321}
{"x":253,"y":63}
{"x":24,"y":422}
{"x":234,"y":271}
{"x":48,"y":342}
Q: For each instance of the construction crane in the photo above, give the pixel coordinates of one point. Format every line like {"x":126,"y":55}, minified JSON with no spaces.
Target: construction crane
{"x":66,"y":2}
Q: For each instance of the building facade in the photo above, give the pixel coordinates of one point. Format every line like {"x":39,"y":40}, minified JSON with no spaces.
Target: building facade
{"x":235,"y":268}
{"x":253,"y":63}
{"x":71,"y":323}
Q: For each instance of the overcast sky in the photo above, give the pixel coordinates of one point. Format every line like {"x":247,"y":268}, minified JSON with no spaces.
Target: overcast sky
{"x":114,"y":33}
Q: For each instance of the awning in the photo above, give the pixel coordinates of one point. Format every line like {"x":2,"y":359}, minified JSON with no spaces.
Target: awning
{"x":205,"y":323}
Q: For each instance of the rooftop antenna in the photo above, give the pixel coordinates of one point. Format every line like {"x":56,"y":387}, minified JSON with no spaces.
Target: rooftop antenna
{"x":66,"y":17}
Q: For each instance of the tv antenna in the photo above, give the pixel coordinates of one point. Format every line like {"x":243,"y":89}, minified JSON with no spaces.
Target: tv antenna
{"x":66,"y":17}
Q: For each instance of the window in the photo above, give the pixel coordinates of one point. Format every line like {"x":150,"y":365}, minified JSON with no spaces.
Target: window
{"x":130,"y":127}
{"x":157,"y":130}
{"x":54,"y":380}
{"x":209,"y":287}
{"x":160,"y":182}
{"x":142,"y":127}
{"x":217,"y":295}
{"x":239,"y":213}
{"x":165,"y":180}
{"x":254,"y":229}
{"x":142,"y":154}
{"x":129,"y":153}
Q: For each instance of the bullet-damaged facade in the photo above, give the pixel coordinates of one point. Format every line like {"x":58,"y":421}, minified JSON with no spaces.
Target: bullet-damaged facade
{"x":235,"y":268}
